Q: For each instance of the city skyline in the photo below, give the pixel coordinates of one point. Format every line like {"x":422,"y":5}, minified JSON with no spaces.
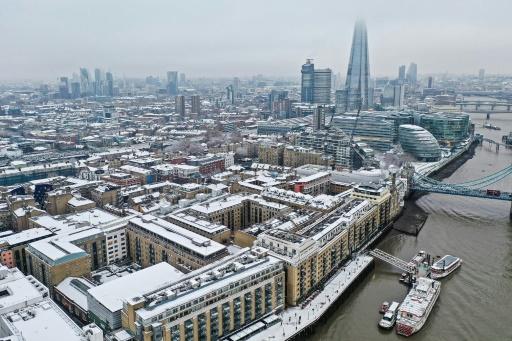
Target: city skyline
{"x":53,"y":44}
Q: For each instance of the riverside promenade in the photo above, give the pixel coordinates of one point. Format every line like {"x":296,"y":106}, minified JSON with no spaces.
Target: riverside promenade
{"x":300,"y":320}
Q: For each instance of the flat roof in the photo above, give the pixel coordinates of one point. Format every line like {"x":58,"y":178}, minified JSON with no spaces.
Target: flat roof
{"x":56,"y":251}
{"x":21,"y":289}
{"x":179,"y":235}
{"x":75,"y":289}
{"x":39,"y":167}
{"x":68,"y":222}
{"x":27,"y":235}
{"x":198,"y":223}
{"x":207,"y":284}
{"x":135,"y":169}
{"x":79,"y":201}
{"x":48,"y":322}
{"x":314,"y":177}
{"x":112,"y":294}
{"x":233,"y":200}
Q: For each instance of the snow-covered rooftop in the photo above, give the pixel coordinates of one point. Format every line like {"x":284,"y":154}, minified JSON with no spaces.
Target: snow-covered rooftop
{"x":41,"y":321}
{"x":80,"y":201}
{"x":55,"y":251}
{"x":200,"y":224}
{"x":205,"y":280}
{"x":68,"y":222}
{"x":112,"y":294}
{"x":75,"y":289}
{"x":26,"y":235}
{"x":28,"y":314}
{"x":179,"y":235}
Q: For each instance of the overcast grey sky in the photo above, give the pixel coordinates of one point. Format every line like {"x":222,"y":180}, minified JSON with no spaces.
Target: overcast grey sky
{"x":43,"y":39}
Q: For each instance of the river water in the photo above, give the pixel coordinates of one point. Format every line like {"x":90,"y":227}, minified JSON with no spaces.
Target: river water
{"x":476,"y":301}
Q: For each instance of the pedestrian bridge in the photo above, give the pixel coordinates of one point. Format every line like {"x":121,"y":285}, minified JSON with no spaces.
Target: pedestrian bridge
{"x":390,"y":259}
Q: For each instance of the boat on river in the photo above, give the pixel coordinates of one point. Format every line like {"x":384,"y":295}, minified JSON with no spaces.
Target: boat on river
{"x":417,"y":306}
{"x":491,"y":126}
{"x":389,"y":318}
{"x":444,"y":266}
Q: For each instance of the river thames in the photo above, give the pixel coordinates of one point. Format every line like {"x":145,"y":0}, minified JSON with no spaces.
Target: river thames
{"x":475,"y":302}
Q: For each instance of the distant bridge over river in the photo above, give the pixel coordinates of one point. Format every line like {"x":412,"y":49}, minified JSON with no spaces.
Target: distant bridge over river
{"x":494,"y":107}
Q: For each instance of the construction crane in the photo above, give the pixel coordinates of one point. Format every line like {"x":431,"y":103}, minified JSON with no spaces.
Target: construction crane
{"x":352,"y":132}
{"x":351,"y":143}
{"x":355,"y":123}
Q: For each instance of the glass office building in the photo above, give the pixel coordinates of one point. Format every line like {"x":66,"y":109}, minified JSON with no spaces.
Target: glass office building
{"x":448,"y":128}
{"x":356,"y":91}
{"x":379,"y":130}
{"x":419,"y":143}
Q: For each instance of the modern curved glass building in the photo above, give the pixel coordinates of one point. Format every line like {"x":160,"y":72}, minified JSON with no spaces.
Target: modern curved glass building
{"x":419,"y":143}
{"x":448,"y":128}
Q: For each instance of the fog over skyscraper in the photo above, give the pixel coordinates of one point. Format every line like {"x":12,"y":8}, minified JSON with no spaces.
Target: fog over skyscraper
{"x":412,"y":74}
{"x":358,"y":73}
{"x":172,"y":82}
{"x":85,"y":82}
{"x":401,"y":73}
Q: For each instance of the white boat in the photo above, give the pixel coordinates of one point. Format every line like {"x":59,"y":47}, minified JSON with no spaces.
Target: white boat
{"x":444,"y":266}
{"x":417,"y":305}
{"x":389,"y":318}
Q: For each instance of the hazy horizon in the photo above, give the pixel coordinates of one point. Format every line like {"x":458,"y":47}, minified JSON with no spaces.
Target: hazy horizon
{"x":224,"y":38}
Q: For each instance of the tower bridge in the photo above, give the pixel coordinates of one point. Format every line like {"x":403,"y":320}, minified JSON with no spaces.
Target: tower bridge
{"x":478,"y":188}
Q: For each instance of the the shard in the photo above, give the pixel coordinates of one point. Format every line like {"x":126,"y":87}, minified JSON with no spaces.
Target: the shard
{"x":356,"y":91}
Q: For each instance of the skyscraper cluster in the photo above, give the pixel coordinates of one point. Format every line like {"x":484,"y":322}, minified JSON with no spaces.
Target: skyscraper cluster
{"x":84,"y":86}
{"x":233,"y":90}
{"x":410,"y":77}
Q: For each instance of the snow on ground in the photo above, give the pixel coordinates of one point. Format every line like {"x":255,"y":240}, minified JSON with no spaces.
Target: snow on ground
{"x":295,"y":319}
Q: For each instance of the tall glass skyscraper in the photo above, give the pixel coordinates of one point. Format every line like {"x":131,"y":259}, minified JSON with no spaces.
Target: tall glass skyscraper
{"x":172,"y":82}
{"x":315,"y":84}
{"x":412,"y":74}
{"x":322,"y":86}
{"x":308,"y":82}
{"x":356,"y":90}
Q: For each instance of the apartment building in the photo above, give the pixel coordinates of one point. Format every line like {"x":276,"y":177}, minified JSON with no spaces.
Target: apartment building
{"x":210,"y":303}
{"x":296,"y":156}
{"x":50,"y":261}
{"x":314,"y":252}
{"x":153,"y":240}
{"x":313,"y":184}
{"x":238,"y":211}
{"x":26,"y":312}
{"x":271,"y":153}
{"x":213,"y":231}
{"x":12,"y":247}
